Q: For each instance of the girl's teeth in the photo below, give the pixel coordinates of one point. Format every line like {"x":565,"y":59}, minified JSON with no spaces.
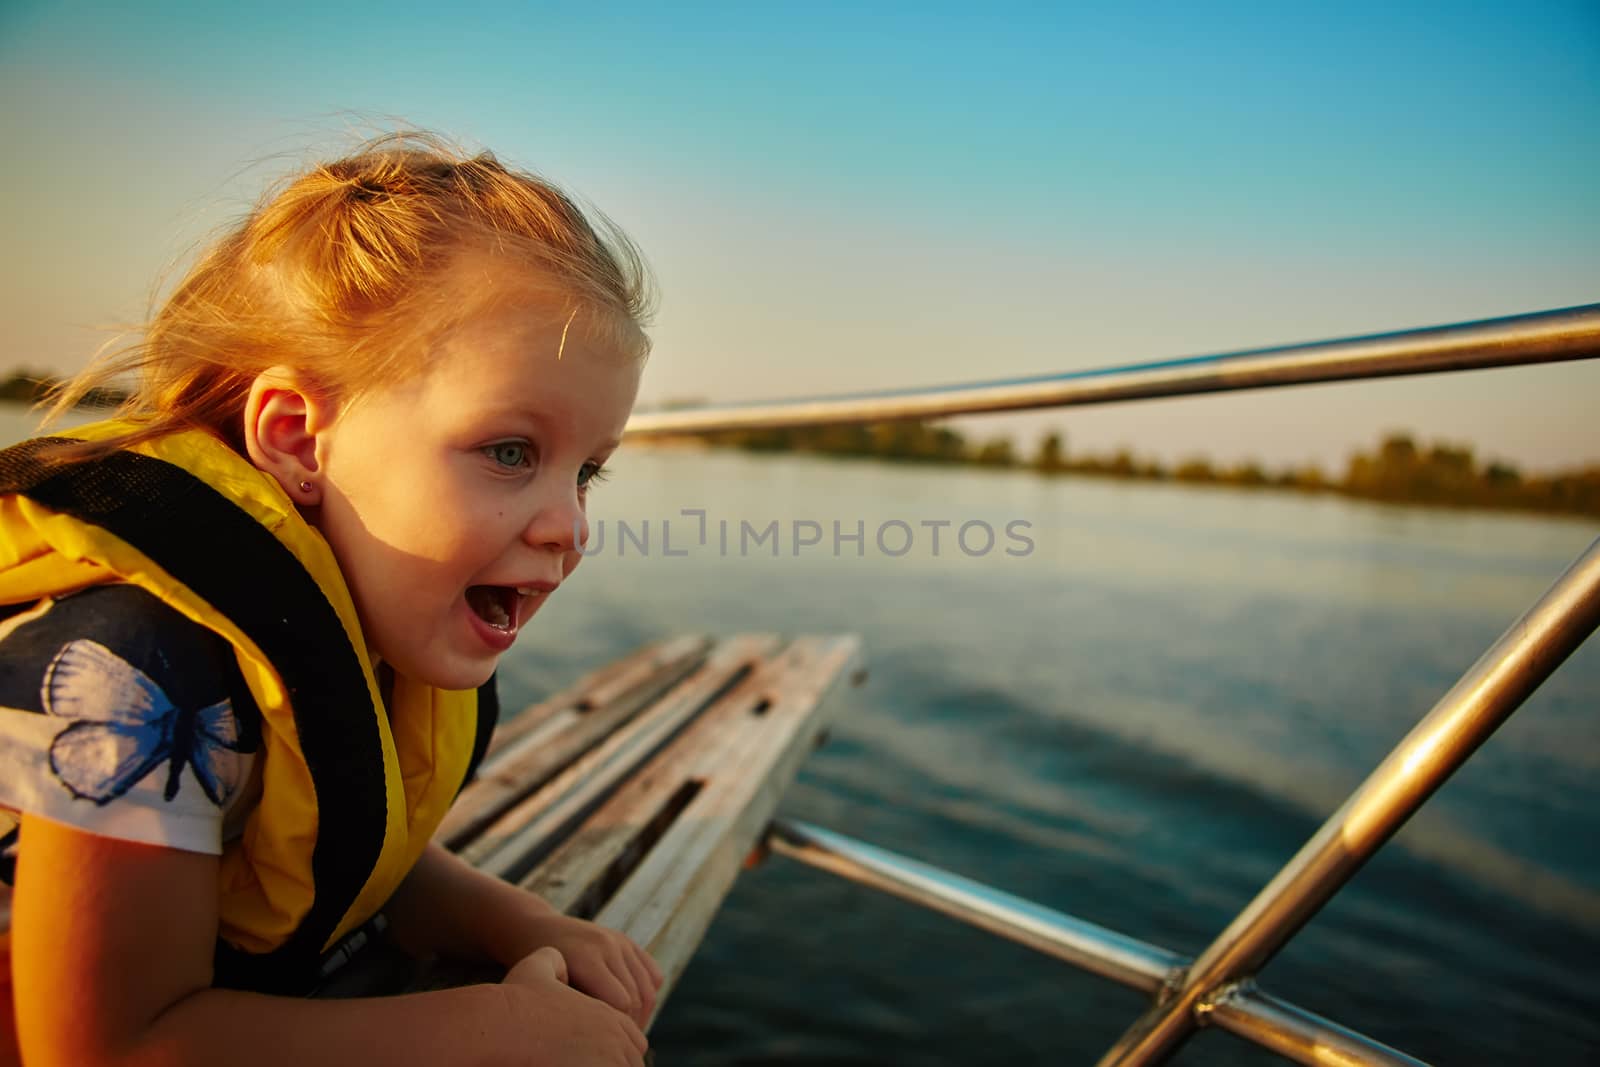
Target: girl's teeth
{"x":495,"y":605}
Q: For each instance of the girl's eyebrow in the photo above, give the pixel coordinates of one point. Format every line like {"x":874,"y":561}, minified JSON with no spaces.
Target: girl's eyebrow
{"x":540,"y":419}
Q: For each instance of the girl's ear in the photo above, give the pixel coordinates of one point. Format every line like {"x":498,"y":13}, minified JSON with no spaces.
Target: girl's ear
{"x":283,"y":418}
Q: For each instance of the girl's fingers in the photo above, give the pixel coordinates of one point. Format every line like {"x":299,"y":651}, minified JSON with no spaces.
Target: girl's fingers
{"x":618,"y":962}
{"x":553,"y":962}
{"x":546,"y":964}
{"x":647,"y":985}
{"x":640,"y":1044}
{"x":612,"y":990}
{"x":653,"y":968}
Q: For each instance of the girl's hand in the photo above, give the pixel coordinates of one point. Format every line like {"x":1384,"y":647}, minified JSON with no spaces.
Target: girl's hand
{"x":603,"y":963}
{"x":572,"y":1030}
{"x":449,"y":908}
{"x":543,"y":965}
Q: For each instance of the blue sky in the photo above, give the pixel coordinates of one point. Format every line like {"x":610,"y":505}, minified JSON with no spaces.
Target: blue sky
{"x":845,"y":197}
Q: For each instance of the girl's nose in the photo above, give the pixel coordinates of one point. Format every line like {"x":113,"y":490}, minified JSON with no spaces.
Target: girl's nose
{"x":559,"y":524}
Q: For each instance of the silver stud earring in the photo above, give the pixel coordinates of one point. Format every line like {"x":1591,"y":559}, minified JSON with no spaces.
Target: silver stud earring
{"x":305,"y":487}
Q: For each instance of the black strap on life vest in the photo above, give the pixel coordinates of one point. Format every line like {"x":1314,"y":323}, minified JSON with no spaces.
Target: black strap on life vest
{"x":228,"y":558}
{"x":488,"y":718}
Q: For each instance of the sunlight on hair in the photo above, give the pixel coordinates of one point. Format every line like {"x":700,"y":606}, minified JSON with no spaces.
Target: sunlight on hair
{"x":562,"y":347}
{"x":335,"y":275}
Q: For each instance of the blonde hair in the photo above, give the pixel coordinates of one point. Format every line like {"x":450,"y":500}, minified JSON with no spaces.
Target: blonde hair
{"x":330,"y":275}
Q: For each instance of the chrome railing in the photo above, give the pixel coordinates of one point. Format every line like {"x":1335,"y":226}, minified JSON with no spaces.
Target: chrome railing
{"x":1218,"y":987}
{"x":1542,"y":337}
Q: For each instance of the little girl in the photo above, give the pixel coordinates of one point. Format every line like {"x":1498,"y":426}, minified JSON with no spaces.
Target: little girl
{"x":244,"y":625}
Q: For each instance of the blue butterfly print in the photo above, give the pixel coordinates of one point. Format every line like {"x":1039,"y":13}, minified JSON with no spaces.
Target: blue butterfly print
{"x":125,"y":728}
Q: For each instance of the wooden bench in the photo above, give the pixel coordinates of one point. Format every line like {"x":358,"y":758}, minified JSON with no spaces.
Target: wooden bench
{"x":635,"y":796}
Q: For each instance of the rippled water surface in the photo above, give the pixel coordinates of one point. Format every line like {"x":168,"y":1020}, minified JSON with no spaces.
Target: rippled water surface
{"x":1138,"y":721}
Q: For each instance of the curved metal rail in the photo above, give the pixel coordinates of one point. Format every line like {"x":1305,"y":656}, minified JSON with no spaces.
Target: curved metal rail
{"x":1541,"y":337}
{"x":1495,"y":686}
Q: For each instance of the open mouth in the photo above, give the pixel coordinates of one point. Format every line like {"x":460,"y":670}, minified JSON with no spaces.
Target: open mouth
{"x":495,"y":605}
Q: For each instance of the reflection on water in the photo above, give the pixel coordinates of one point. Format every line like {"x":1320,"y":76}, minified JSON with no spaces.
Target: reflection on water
{"x":1137,"y":721}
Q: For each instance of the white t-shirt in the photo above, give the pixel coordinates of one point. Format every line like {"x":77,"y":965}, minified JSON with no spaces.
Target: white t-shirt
{"x":121,"y":717}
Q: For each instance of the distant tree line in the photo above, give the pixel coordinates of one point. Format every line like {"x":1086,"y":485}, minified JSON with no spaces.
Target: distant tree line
{"x":1399,"y":470}
{"x":30,"y":387}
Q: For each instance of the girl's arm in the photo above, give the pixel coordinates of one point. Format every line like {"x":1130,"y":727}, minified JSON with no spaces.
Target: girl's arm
{"x":447,"y":907}
{"x":112,"y":944}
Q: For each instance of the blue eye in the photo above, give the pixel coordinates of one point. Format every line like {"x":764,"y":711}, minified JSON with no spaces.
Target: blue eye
{"x":592,"y":474}
{"x":508,"y":453}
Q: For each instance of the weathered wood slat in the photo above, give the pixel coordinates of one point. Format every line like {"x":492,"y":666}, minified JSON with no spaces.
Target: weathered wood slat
{"x":560,"y":739}
{"x":667,"y":903}
{"x":576,"y":869}
{"x":578,"y":866}
{"x":581,"y":694}
{"x":618,"y":686}
{"x":518,"y":837}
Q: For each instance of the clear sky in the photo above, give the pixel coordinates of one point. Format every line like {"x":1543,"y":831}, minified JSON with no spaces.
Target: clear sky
{"x":838,"y":197}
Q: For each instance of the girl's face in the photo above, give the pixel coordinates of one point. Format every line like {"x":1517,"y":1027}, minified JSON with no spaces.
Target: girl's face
{"x":454,"y":502}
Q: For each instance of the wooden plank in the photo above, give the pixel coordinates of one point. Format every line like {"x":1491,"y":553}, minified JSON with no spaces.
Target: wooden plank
{"x":580,"y":864}
{"x":618,"y":685}
{"x":669,"y":900}
{"x":581,"y":695}
{"x":528,"y":830}
{"x":585,"y":781}
{"x":560,"y":739}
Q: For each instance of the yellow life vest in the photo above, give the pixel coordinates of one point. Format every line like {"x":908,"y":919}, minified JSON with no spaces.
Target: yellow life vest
{"x":350,"y":794}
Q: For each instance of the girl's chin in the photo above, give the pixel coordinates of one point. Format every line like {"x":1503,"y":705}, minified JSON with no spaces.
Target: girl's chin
{"x":462,"y":657}
{"x":455,"y":672}
{"x":455,"y":676}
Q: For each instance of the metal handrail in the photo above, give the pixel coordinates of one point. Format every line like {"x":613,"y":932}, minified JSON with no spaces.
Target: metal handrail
{"x":1241,"y":1009}
{"x":1540,"y":337}
{"x":1218,"y":986}
{"x":1297,"y":1034}
{"x":1504,"y":676}
{"x":1083,"y":944}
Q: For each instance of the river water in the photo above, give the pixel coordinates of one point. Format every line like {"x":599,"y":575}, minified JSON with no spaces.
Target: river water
{"x":1129,"y":702}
